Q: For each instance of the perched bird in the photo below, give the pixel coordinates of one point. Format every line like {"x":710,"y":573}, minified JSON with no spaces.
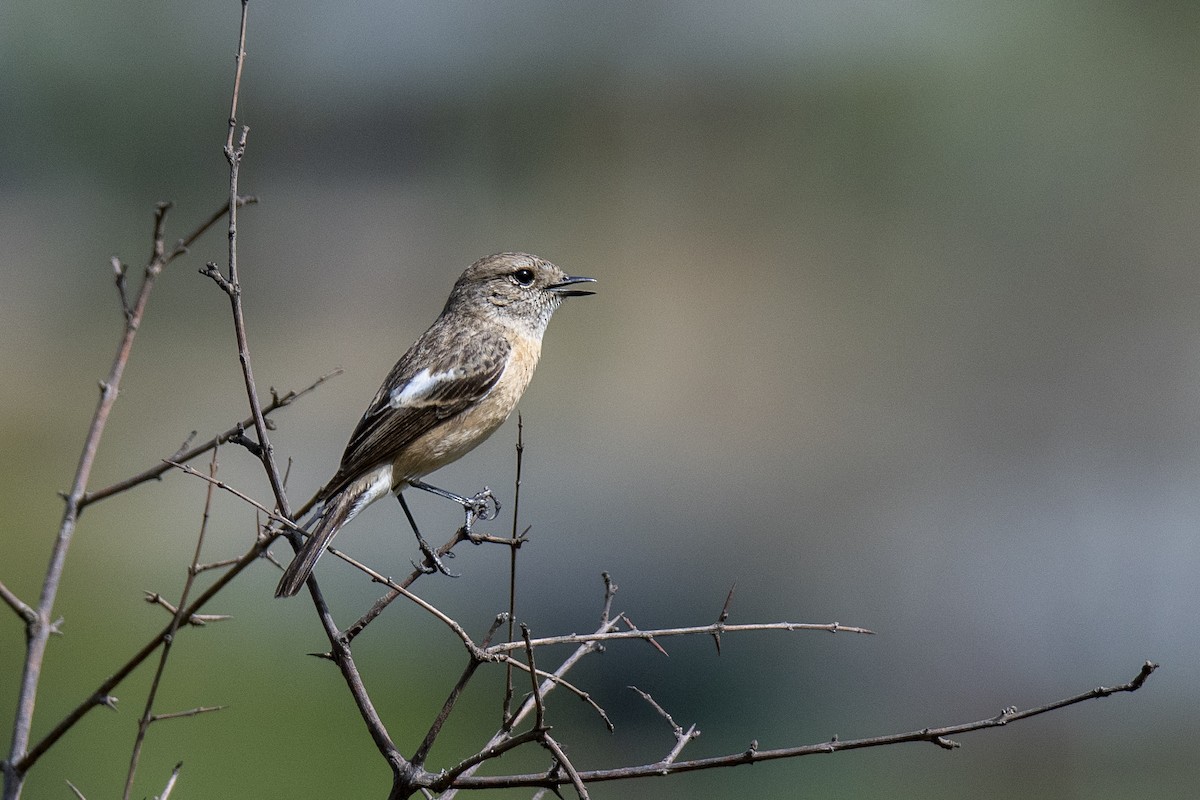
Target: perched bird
{"x":453,"y":388}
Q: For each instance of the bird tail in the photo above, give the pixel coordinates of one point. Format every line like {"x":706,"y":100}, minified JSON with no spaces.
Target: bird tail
{"x":337,"y":512}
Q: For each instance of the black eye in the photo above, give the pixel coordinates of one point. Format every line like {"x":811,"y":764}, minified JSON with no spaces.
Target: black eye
{"x":523,"y":277}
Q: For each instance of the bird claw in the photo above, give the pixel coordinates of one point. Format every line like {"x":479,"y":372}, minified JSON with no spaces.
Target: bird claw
{"x":481,"y":506}
{"x":433,"y":562}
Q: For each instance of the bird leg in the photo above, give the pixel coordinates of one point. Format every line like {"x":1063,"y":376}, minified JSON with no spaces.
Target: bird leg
{"x":431,"y":556}
{"x":479,"y":506}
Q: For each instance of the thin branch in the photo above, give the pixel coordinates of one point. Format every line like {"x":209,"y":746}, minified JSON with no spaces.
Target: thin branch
{"x":100,"y":696}
{"x":475,"y":650}
{"x":494,"y":654}
{"x":191,"y":712}
{"x":225,"y":562}
{"x":575,"y":638}
{"x":649,"y":635}
{"x":342,"y":641}
{"x":272,"y":515}
{"x":339,"y":647}
{"x":119,"y":273}
{"x":506,"y":706}
{"x":447,"y":783}
{"x":23,"y":610}
{"x":555,"y":679}
{"x":573,"y":775}
{"x":676,"y":728}
{"x":539,"y":724}
{"x":377,"y":608}
{"x":752,"y":755}
{"x":610,"y":592}
{"x":177,"y":619}
{"x":539,"y":720}
{"x":473,"y":664}
{"x":186,"y":454}
{"x":492,"y":750}
{"x":39,"y":630}
{"x":682,"y":737}
{"x":196,"y":620}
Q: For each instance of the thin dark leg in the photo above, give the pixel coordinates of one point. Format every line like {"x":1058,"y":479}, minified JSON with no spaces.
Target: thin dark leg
{"x":483,"y":505}
{"x":431,"y":557}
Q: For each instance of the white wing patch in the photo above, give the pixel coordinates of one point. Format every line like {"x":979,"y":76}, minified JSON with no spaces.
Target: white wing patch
{"x":421,"y":386}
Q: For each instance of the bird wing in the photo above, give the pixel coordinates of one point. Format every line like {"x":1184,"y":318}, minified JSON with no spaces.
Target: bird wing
{"x":429,"y":384}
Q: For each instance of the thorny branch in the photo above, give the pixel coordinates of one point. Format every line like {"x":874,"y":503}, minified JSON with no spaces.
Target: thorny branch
{"x":188,"y":453}
{"x":41,"y":624}
{"x":339,"y":648}
{"x":682,"y":737}
{"x":938,"y":736}
{"x":148,"y":717}
{"x":717,"y":627}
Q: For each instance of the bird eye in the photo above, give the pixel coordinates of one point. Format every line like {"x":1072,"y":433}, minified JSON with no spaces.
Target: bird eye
{"x":523,"y":277}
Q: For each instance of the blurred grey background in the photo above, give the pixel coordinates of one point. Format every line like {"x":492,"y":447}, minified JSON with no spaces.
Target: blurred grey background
{"x":896,"y":326}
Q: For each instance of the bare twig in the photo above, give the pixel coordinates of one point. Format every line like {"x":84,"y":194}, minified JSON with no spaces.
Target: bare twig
{"x":191,"y":712}
{"x":186,"y":454}
{"x":447,"y":783}
{"x":24,"y":611}
{"x":41,"y":627}
{"x":575,"y":638}
{"x":196,"y":620}
{"x":473,"y":664}
{"x":475,"y":650}
{"x":274,"y":516}
{"x":610,"y":591}
{"x":339,"y":647}
{"x":649,"y":637}
{"x":119,"y":273}
{"x":177,"y":619}
{"x":573,"y":776}
{"x":492,"y":750}
{"x":101,"y":695}
{"x":512,"y":565}
{"x":682,"y":737}
{"x":938,"y":736}
{"x":539,"y":720}
{"x":377,"y":608}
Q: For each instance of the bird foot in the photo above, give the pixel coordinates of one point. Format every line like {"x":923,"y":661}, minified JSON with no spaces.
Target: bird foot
{"x":433,"y":562}
{"x":480,"y":506}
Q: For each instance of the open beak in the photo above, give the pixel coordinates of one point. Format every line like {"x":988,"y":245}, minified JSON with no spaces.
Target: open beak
{"x":562,"y":287}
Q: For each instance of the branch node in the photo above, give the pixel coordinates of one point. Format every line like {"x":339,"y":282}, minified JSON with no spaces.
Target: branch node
{"x":1004,"y":715}
{"x":210,"y":270}
{"x":120,"y":271}
{"x":240,"y":438}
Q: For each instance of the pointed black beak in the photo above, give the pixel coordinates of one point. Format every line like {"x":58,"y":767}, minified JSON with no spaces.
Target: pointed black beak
{"x":561,"y":288}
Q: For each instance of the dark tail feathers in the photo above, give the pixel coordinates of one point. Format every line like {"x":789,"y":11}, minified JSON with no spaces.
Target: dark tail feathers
{"x":333,"y":517}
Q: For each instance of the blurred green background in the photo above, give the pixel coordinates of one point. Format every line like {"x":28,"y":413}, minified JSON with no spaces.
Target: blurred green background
{"x":896,"y":326}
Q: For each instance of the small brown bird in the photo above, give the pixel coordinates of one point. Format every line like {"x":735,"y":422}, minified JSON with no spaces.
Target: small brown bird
{"x":453,"y":388}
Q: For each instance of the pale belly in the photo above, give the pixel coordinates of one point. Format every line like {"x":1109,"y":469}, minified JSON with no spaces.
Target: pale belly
{"x":458,"y":436}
